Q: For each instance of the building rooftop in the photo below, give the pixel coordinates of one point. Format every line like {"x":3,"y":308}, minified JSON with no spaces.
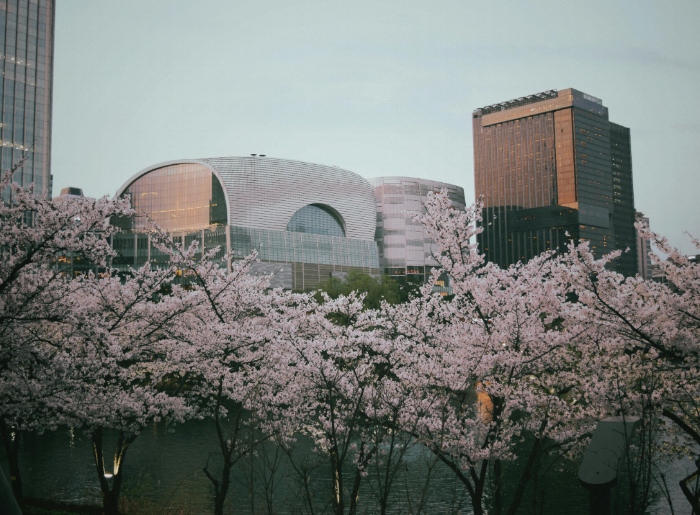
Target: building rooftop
{"x":72,"y":191}
{"x":537,"y":97}
{"x":517,"y":102}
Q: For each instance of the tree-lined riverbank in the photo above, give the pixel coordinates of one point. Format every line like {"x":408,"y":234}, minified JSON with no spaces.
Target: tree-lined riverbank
{"x":165,"y":474}
{"x":323,"y":401}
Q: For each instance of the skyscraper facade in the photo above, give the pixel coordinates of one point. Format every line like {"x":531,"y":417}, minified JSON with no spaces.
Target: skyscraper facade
{"x":551,"y":167}
{"x":26,"y":49}
{"x":624,"y":214}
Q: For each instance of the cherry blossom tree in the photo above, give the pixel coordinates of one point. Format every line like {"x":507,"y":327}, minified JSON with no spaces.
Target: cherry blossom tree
{"x":38,"y":238}
{"x":647,"y":332}
{"x":505,"y":361}
{"x":225,"y":357}
{"x":404,"y":358}
{"x":115,"y":343}
{"x":332,"y":357}
{"x":529,"y":356}
{"x":678,"y":332}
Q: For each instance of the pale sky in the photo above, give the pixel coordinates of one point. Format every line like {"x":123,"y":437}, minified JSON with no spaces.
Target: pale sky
{"x":376,"y":87}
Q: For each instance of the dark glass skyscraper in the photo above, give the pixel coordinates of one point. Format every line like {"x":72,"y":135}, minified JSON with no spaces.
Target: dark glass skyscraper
{"x":26,"y":49}
{"x":624,"y":214}
{"x":551,"y":164}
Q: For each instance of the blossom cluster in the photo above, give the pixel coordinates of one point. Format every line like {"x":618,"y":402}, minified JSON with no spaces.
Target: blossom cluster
{"x":539,"y":351}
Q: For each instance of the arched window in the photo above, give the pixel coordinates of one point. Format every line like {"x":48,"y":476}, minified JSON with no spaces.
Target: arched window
{"x":180,"y":197}
{"x":317,"y":219}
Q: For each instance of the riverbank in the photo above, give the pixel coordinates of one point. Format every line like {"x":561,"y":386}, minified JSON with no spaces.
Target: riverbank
{"x":33,"y":506}
{"x":163,"y":475}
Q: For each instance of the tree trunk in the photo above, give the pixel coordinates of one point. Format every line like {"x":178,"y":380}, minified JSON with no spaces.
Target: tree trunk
{"x":476,"y":504}
{"x":251,"y":488}
{"x":364,"y":460}
{"x":221,"y":499}
{"x":479,"y":482}
{"x":475,"y":493}
{"x":384,"y":494}
{"x":498,"y":476}
{"x":220,"y":494}
{"x":338,"y":501}
{"x":220,"y":489}
{"x":11,"y":445}
{"x":110,"y":496}
{"x":680,"y":423}
{"x":227,"y":448}
{"x":355,"y":492}
{"x":110,"y":503}
{"x":528,"y":472}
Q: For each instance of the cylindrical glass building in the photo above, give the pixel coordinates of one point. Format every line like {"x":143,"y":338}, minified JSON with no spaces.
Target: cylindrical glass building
{"x":405,"y":248}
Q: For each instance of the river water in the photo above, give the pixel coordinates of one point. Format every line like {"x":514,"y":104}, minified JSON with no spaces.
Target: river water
{"x":164,"y":467}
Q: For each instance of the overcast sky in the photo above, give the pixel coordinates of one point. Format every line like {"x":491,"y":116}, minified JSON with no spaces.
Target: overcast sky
{"x":376,"y":87}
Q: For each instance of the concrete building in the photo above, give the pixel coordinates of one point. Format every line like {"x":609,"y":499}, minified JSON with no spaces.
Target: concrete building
{"x":405,"y":249}
{"x":307,"y":221}
{"x":550,"y":164}
{"x":26,"y":49}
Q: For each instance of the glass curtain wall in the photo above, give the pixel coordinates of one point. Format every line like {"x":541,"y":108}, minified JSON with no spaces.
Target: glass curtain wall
{"x":317,"y":219}
{"x":26,"y":54}
{"x":405,"y":247}
{"x":178,"y":198}
{"x":624,"y":214}
{"x":547,"y":168}
{"x":523,"y":167}
{"x":135,"y":248}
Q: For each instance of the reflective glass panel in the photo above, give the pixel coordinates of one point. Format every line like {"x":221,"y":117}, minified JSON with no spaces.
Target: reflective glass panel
{"x":182,"y":197}
{"x":317,"y":219}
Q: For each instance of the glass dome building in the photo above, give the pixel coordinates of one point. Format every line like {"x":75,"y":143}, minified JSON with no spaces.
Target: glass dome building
{"x":307,"y":221}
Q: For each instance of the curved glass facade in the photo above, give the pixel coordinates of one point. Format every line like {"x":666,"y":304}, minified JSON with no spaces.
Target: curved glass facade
{"x":178,"y":198}
{"x":307,"y":222}
{"x":266,"y":193}
{"x":317,"y":219}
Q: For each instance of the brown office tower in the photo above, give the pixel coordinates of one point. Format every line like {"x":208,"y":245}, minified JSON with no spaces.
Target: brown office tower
{"x":548,"y":165}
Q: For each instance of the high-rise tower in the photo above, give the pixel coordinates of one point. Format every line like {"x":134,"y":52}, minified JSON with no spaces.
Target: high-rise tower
{"x":548,"y":165}
{"x":26,"y":49}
